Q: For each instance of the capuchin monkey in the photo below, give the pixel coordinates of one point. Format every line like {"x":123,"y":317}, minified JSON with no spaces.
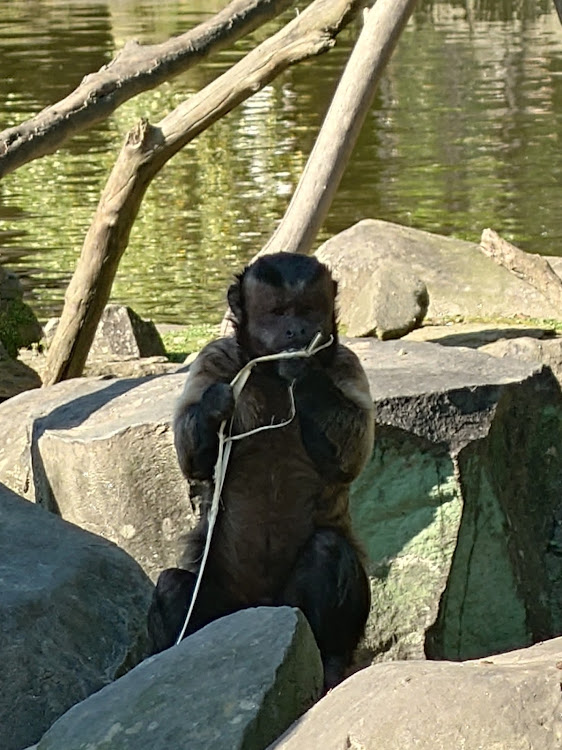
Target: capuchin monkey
{"x":283,"y":532}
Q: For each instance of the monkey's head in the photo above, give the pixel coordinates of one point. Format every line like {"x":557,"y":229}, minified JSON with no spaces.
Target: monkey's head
{"x":280,"y":302}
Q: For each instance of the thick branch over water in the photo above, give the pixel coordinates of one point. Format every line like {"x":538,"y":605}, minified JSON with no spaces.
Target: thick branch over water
{"x":321,"y":177}
{"x":136,"y":68}
{"x":148,"y":148}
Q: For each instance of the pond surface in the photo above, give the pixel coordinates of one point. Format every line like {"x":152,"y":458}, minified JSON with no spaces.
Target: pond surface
{"x":465,"y":133}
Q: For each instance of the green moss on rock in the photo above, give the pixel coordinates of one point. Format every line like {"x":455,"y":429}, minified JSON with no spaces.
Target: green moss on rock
{"x":18,"y":325}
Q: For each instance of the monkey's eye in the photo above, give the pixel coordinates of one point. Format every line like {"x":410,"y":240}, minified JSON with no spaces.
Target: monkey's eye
{"x":278,"y":311}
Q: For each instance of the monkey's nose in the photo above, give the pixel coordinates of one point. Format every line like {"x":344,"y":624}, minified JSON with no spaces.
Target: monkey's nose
{"x":292,"y":333}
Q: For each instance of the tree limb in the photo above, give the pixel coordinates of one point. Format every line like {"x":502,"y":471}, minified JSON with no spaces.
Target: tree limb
{"x":147,"y":148}
{"x":533,"y":269}
{"x":136,"y":68}
{"x":321,"y":177}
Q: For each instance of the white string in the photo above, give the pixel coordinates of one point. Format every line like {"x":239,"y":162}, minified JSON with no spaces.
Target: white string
{"x":225,"y":446}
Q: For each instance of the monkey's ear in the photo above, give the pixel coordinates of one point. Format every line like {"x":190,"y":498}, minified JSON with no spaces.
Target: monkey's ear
{"x":234,"y":297}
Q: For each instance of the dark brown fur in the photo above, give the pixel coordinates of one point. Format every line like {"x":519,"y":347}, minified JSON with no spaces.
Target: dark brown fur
{"x":284,"y":523}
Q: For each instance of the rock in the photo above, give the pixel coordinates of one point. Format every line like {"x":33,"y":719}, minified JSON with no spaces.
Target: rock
{"x":111,"y":366}
{"x":510,"y":702}
{"x":547,"y":351}
{"x":477,"y":335}
{"x":125,"y":346}
{"x":100,"y":453}
{"x":18,"y":324}
{"x":236,"y":684}
{"x":460,"y":279}
{"x":527,"y":343}
{"x":73,"y":611}
{"x":120,"y":333}
{"x":459,"y":509}
{"x":15,"y":376}
{"x":10,"y":285}
{"x":389,"y":303}
{"x":18,"y":470}
{"x":129,"y":367}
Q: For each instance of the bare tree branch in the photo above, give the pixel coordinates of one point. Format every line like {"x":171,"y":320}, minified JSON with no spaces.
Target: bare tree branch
{"x":321,"y":177}
{"x":148,"y":148}
{"x":136,"y":68}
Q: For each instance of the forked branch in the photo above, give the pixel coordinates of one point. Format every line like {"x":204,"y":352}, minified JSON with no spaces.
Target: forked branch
{"x":148,"y":148}
{"x":136,"y":68}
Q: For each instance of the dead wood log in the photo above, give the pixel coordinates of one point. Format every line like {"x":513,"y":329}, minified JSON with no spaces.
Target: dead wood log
{"x":336,"y":140}
{"x":533,"y":269}
{"x":148,"y":147}
{"x":136,"y":68}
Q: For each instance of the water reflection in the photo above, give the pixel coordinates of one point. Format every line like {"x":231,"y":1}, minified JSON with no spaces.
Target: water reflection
{"x":464,"y":133}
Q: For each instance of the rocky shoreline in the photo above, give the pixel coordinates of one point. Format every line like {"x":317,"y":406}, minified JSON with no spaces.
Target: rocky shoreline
{"x":459,"y":511}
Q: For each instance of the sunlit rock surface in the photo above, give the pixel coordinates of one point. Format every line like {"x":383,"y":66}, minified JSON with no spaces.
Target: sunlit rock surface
{"x":73,"y":613}
{"x":237,"y":684}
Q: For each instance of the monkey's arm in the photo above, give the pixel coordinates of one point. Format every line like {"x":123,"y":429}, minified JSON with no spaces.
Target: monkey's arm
{"x":335,"y":411}
{"x":206,"y":401}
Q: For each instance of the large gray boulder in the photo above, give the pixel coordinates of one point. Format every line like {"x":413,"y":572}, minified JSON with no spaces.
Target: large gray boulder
{"x":100,"y":453}
{"x":235,"y":685}
{"x":509,"y":702}
{"x":460,"y":508}
{"x":73,"y":613}
{"x":460,"y":279}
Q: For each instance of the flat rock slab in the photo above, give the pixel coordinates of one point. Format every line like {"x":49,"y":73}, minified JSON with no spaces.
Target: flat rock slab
{"x":528,"y":343}
{"x":235,"y":685}
{"x":508,"y":702}
{"x":408,"y":368}
{"x":73,"y":613}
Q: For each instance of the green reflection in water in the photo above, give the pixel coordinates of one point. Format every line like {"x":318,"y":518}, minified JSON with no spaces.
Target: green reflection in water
{"x":464,"y":133}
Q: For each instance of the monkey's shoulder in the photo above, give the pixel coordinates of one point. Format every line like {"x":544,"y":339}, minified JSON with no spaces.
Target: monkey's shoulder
{"x":220,"y":359}
{"x":348,"y":374}
{"x":345,"y":359}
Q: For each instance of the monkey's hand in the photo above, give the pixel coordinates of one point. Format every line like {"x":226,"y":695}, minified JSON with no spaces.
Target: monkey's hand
{"x":196,"y":430}
{"x":217,"y":403}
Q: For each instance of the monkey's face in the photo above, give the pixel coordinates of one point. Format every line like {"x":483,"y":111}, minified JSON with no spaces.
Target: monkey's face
{"x":287,"y":317}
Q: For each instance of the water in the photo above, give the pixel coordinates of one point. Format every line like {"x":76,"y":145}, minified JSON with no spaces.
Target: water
{"x":465,"y":133}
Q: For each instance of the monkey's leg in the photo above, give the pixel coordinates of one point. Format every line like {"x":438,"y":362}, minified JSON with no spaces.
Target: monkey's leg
{"x":168,"y":608}
{"x":330,"y":586}
{"x":170,"y":602}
